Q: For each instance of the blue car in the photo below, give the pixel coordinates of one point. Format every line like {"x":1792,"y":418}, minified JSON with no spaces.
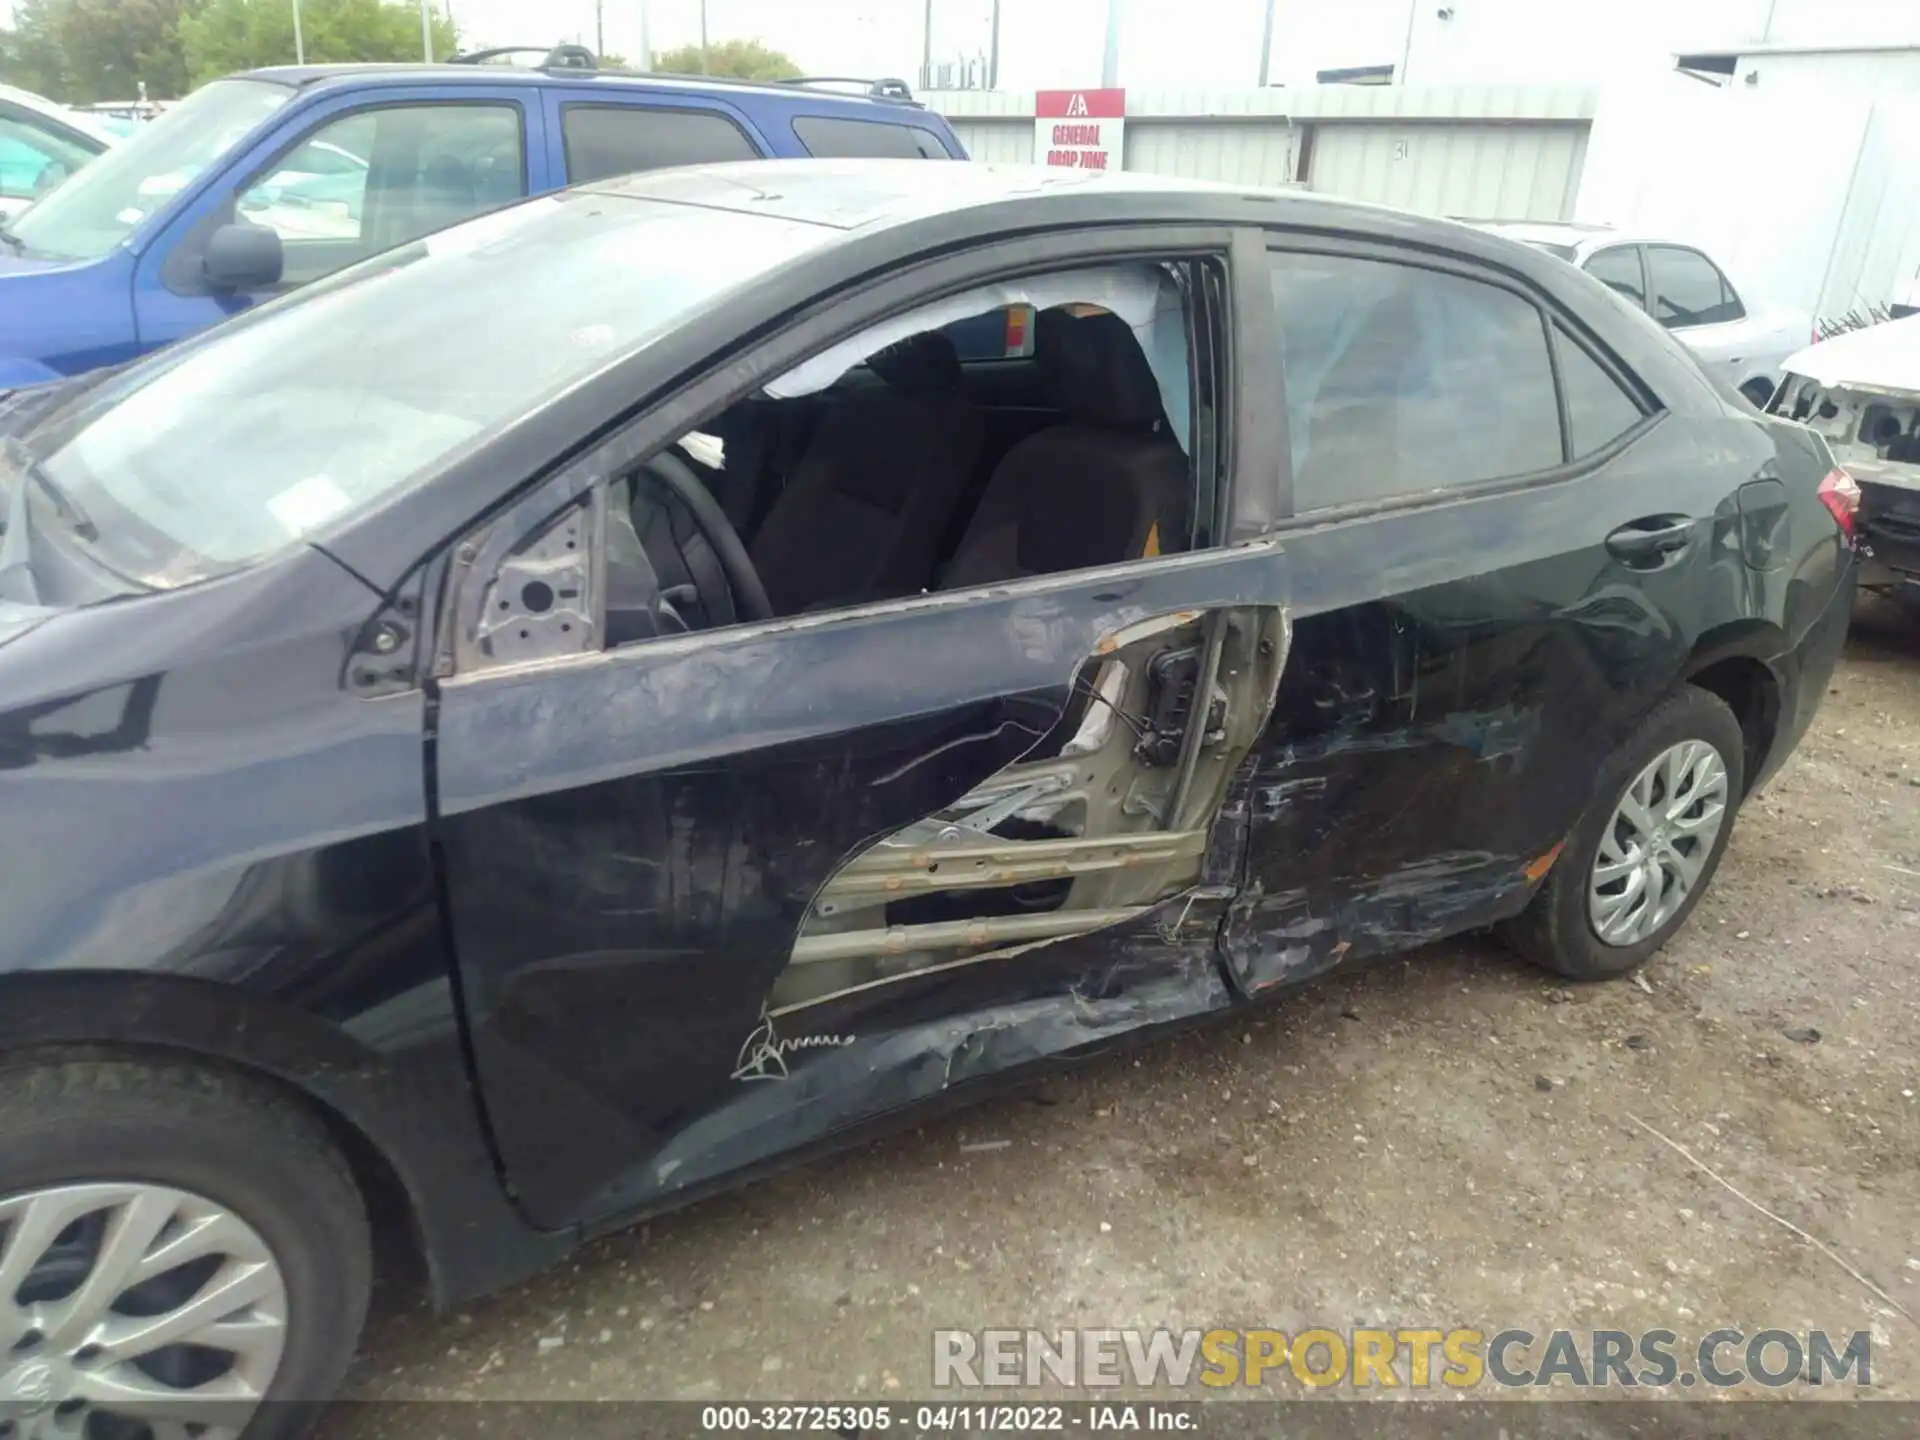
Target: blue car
{"x":261,"y":182}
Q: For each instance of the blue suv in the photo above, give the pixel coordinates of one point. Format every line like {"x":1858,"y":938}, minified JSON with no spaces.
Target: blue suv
{"x":264,"y":181}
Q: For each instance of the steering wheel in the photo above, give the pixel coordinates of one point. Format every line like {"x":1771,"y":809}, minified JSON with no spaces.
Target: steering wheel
{"x":676,"y":477}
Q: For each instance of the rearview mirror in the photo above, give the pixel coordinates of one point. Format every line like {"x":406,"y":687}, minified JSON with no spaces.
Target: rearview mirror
{"x":243,"y":257}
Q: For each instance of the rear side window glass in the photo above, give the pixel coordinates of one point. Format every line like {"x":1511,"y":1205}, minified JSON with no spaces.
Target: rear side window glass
{"x":1619,"y":271}
{"x":1599,"y":410}
{"x":1688,"y":289}
{"x":603,"y":140}
{"x":1401,"y":380}
{"x":830,"y":137}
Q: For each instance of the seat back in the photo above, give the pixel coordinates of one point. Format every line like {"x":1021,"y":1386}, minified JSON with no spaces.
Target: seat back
{"x":863,"y":513}
{"x":1108,"y":484}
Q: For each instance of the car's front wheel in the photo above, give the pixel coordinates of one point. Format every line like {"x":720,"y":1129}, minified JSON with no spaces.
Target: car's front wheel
{"x":1647,"y":847}
{"x":183,"y":1252}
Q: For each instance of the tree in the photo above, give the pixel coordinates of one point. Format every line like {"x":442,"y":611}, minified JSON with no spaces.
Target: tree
{"x":739,"y":59}
{"x":221,"y":36}
{"x":84,"y":50}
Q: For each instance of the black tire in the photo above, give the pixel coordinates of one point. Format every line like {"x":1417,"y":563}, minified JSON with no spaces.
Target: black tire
{"x":1555,"y":930}
{"x":235,"y":1141}
{"x":1759,"y":391}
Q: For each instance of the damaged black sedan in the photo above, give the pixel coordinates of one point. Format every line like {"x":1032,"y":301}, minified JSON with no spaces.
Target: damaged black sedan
{"x":601,"y":701}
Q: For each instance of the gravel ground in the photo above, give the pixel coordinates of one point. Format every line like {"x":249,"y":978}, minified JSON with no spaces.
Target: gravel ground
{"x":1447,"y":1138}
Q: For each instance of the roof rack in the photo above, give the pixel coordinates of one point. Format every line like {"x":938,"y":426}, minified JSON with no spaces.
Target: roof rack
{"x":885,"y":87}
{"x":579,"y":57}
{"x":553,"y":57}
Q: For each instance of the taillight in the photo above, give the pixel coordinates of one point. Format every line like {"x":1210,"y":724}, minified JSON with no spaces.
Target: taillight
{"x":1840,"y":493}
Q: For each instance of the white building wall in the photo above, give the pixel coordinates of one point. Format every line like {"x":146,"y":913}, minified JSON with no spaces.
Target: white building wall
{"x":1510,"y":152}
{"x":1486,"y":172}
{"x":1237,"y":153}
{"x":1880,"y":72}
{"x":995,"y":141}
{"x":1843,"y":234}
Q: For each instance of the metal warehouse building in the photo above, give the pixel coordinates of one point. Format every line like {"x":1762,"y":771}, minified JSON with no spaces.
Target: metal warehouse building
{"x":1511,"y":151}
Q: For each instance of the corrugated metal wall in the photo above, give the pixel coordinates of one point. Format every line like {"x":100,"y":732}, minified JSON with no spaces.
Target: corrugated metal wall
{"x":1233,"y":151}
{"x":995,"y":141}
{"x":1489,"y":172}
{"x":1490,"y":152}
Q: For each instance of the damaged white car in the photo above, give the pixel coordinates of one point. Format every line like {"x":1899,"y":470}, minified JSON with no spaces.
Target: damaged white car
{"x":1861,"y":391}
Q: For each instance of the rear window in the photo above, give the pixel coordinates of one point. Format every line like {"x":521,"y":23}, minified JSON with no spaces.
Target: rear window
{"x":604,"y":140}
{"x":831,"y":138}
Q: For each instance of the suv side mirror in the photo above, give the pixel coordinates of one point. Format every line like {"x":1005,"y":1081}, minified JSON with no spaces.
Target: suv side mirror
{"x":243,"y":257}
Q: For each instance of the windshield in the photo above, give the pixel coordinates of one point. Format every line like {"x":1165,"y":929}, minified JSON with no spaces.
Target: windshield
{"x":104,"y":203}
{"x":205,"y":458}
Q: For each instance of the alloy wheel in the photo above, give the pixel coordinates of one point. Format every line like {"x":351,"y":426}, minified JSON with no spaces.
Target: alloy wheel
{"x":133,"y":1312}
{"x":1657,"y":844}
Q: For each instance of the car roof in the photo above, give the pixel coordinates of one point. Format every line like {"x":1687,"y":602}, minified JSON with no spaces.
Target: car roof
{"x":59,"y":114}
{"x":800,"y":96}
{"x":1585,"y":239}
{"x":858,"y":194}
{"x":1546,"y":232}
{"x":976,"y":199}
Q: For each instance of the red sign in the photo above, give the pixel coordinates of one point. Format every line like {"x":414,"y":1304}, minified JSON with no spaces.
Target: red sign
{"x":1079,"y":104}
{"x":1079,"y":129}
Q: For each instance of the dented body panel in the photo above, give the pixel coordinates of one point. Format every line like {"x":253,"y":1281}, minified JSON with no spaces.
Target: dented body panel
{"x":632,"y":843}
{"x":1441,"y":720}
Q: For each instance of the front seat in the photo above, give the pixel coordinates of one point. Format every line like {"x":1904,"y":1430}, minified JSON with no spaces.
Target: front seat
{"x":863,"y":514}
{"x":1108,"y":484}
{"x":445,"y":194}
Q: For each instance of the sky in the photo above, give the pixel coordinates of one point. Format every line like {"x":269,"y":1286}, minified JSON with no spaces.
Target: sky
{"x":1165,"y":43}
{"x":1206,"y":43}
{"x":1201,"y":43}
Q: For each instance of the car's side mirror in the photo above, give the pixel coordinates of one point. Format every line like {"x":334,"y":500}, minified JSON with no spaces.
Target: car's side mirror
{"x":243,"y":257}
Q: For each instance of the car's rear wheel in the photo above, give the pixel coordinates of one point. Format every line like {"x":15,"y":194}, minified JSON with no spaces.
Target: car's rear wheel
{"x":183,"y":1252}
{"x":1647,"y":847}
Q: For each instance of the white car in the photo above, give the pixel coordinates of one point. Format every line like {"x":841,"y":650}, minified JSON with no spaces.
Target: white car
{"x":41,"y":143}
{"x":1741,"y":341}
{"x":1861,"y":392}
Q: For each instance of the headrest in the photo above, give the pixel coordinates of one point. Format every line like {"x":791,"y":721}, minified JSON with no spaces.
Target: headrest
{"x":1096,"y":370}
{"x":919,"y":367}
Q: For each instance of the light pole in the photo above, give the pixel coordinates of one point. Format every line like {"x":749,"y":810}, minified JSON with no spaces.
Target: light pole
{"x":1266,"y":42}
{"x":1110,"y":61}
{"x":646,"y":40}
{"x":926,"y":49}
{"x":426,"y":31}
{"x":299,"y":45}
{"x":705,"y":65}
